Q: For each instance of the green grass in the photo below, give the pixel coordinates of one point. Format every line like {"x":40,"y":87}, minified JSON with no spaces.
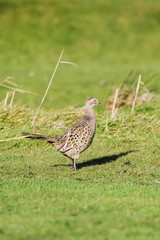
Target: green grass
{"x":114,"y":194}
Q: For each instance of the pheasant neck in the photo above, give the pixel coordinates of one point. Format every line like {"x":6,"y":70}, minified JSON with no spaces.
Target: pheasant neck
{"x":89,"y":112}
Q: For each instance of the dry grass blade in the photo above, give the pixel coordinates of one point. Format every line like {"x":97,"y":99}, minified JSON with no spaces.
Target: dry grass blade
{"x":114,"y":104}
{"x":10,"y":139}
{"x":48,"y":87}
{"x":14,"y":88}
{"x":137,"y":89}
{"x":11,"y":102}
{"x":6,"y":99}
{"x":69,"y":63}
{"x":10,"y":116}
{"x":114,"y":114}
{"x":17,"y":89}
{"x":6,"y":79}
{"x":14,"y":84}
{"x":2,"y":103}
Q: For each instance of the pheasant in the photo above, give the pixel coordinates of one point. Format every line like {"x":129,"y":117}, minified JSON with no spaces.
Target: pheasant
{"x":77,"y":138}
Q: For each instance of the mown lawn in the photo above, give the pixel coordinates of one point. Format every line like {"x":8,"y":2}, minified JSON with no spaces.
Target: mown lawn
{"x":115,"y":192}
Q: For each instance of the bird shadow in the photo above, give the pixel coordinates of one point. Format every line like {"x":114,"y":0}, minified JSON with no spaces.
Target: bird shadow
{"x":98,"y":161}
{"x":102,"y":160}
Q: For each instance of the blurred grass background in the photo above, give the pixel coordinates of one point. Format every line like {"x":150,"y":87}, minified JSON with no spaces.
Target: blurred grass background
{"x":114,"y":194}
{"x":106,"y":39}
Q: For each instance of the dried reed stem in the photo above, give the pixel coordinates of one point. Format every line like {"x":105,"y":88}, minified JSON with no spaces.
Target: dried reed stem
{"x":9,"y":139}
{"x":17,"y":89}
{"x":114,"y":104}
{"x":116,"y":110}
{"x":14,"y":84}
{"x":6,"y":79}
{"x":48,"y":87}
{"x":6,"y":99}
{"x":137,"y":89}
{"x":69,"y":63}
{"x":11,"y":102}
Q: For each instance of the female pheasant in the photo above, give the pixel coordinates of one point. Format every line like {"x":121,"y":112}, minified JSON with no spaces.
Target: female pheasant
{"x":76,"y":138}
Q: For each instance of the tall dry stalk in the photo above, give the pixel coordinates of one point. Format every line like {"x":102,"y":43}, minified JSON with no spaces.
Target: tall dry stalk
{"x":11,"y":94}
{"x":6,"y":99}
{"x":10,"y":139}
{"x":136,"y":94}
{"x":114,"y":111}
{"x":13,"y":88}
{"x":48,"y":87}
{"x":11,"y":102}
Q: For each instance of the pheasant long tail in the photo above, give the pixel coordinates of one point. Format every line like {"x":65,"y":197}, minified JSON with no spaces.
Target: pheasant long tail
{"x":39,"y":136}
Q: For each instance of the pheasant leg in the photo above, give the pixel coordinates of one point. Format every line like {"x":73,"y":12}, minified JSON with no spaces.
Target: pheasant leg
{"x":74,"y":164}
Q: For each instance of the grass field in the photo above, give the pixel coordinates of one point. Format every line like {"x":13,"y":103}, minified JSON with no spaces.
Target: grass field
{"x":115,"y":192}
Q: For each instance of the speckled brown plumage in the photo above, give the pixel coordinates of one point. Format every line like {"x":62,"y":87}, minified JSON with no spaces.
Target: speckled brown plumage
{"x":76,"y":138}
